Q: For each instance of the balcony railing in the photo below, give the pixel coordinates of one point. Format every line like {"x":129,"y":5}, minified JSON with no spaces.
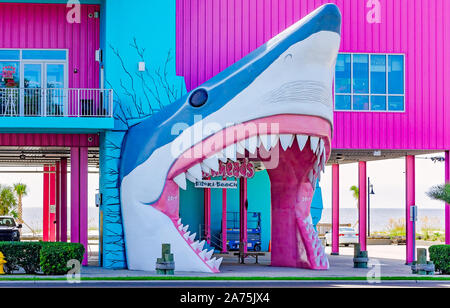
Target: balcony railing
{"x":22,"y":102}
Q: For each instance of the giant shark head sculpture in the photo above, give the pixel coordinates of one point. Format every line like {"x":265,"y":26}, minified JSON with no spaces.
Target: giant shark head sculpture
{"x":276,"y":102}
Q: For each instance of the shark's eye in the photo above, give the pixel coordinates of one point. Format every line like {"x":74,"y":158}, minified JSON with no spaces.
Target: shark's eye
{"x":198,"y":98}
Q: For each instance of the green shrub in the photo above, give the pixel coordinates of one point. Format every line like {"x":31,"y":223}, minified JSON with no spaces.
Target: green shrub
{"x":54,"y":257}
{"x":440,"y":255}
{"x":21,"y":255}
{"x":35,"y":257}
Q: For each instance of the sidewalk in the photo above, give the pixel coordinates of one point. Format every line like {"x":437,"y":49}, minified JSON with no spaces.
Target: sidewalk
{"x":341,"y":266}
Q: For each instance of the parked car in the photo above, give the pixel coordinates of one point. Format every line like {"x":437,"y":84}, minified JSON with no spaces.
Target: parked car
{"x":347,"y":236}
{"x":9,"y":229}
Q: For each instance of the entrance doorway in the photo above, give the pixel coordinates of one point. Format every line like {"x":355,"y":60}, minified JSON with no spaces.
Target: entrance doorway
{"x":43,"y":82}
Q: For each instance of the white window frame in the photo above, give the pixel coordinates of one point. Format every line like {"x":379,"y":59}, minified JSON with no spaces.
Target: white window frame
{"x":43,"y":63}
{"x":370,"y":94}
{"x":40,"y":61}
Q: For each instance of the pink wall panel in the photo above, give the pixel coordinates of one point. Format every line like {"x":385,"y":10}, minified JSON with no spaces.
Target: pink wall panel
{"x":47,"y":27}
{"x":49,"y":140}
{"x":214,"y":34}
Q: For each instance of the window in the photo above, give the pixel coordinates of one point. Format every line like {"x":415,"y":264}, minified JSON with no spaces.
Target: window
{"x":33,"y":68}
{"x":370,"y":82}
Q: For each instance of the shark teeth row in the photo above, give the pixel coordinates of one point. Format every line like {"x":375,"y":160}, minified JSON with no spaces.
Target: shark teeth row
{"x":319,"y":253}
{"x":251,"y":145}
{"x":197,"y":246}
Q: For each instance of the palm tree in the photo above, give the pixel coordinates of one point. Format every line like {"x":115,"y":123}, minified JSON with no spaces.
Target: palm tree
{"x":8,"y":201}
{"x":440,"y":193}
{"x":355,"y":191}
{"x":21,"y":191}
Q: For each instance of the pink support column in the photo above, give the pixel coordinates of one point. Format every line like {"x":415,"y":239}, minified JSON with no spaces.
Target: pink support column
{"x":363,"y":205}
{"x":52,"y":214}
{"x":79,"y":200}
{"x":410,"y":202}
{"x":447,"y":206}
{"x":243,"y":213}
{"x":207,"y":205}
{"x":75,"y":195}
{"x":46,"y":200}
{"x":58,"y":201}
{"x":224,"y":220}
{"x":84,"y":201}
{"x":335,"y":211}
{"x":63,"y":207}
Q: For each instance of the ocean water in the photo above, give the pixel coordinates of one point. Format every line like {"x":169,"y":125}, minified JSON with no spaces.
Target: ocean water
{"x":380,"y":218}
{"x":33,"y":217}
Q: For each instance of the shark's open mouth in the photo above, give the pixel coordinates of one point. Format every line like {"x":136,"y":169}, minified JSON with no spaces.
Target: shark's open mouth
{"x":296,"y":151}
{"x":272,"y":106}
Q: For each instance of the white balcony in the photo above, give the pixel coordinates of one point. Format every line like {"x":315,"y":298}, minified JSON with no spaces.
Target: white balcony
{"x":26,"y":102}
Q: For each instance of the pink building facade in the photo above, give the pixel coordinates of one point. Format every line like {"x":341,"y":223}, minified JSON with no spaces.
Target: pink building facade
{"x":50,"y":99}
{"x":392,"y":85}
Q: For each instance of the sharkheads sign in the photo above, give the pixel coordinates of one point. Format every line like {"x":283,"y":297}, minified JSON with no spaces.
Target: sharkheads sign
{"x":230,"y":169}
{"x":240,"y":169}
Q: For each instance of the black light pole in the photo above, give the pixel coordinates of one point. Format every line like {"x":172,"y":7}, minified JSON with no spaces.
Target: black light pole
{"x":369,"y":192}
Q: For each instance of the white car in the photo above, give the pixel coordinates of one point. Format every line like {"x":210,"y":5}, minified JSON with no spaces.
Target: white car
{"x":347,"y":236}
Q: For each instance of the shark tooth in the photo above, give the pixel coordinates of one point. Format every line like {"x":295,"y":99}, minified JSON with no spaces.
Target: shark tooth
{"x":322,"y":165}
{"x":316,"y":164}
{"x":180,"y":180}
{"x":186,"y":228}
{"x":230,"y":152}
{"x":202,"y":254}
{"x":218,"y":263}
{"x":324,"y":261}
{"x":192,"y":237}
{"x":318,"y":260}
{"x":186,"y":235}
{"x":212,"y":163}
{"x":179,"y":221}
{"x":321,"y":147}
{"x":201,"y":245}
{"x":274,"y":140}
{"x":314,"y":143}
{"x":190,"y":178}
{"x":316,"y":251}
{"x":211,"y":262}
{"x":209,"y":254}
{"x":251,"y":144}
{"x":265,"y":141}
{"x":302,"y":140}
{"x":286,"y":141}
{"x":195,"y":245}
{"x":180,"y":227}
{"x":205,"y":168}
{"x":240,"y":149}
{"x":311,"y":177}
{"x":196,"y":172}
{"x":222,"y":157}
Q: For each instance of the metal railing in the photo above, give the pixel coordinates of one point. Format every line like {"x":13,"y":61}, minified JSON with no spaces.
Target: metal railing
{"x":25,"y":102}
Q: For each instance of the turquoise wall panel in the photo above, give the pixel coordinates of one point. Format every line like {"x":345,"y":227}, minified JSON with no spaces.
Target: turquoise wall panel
{"x":151,"y":24}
